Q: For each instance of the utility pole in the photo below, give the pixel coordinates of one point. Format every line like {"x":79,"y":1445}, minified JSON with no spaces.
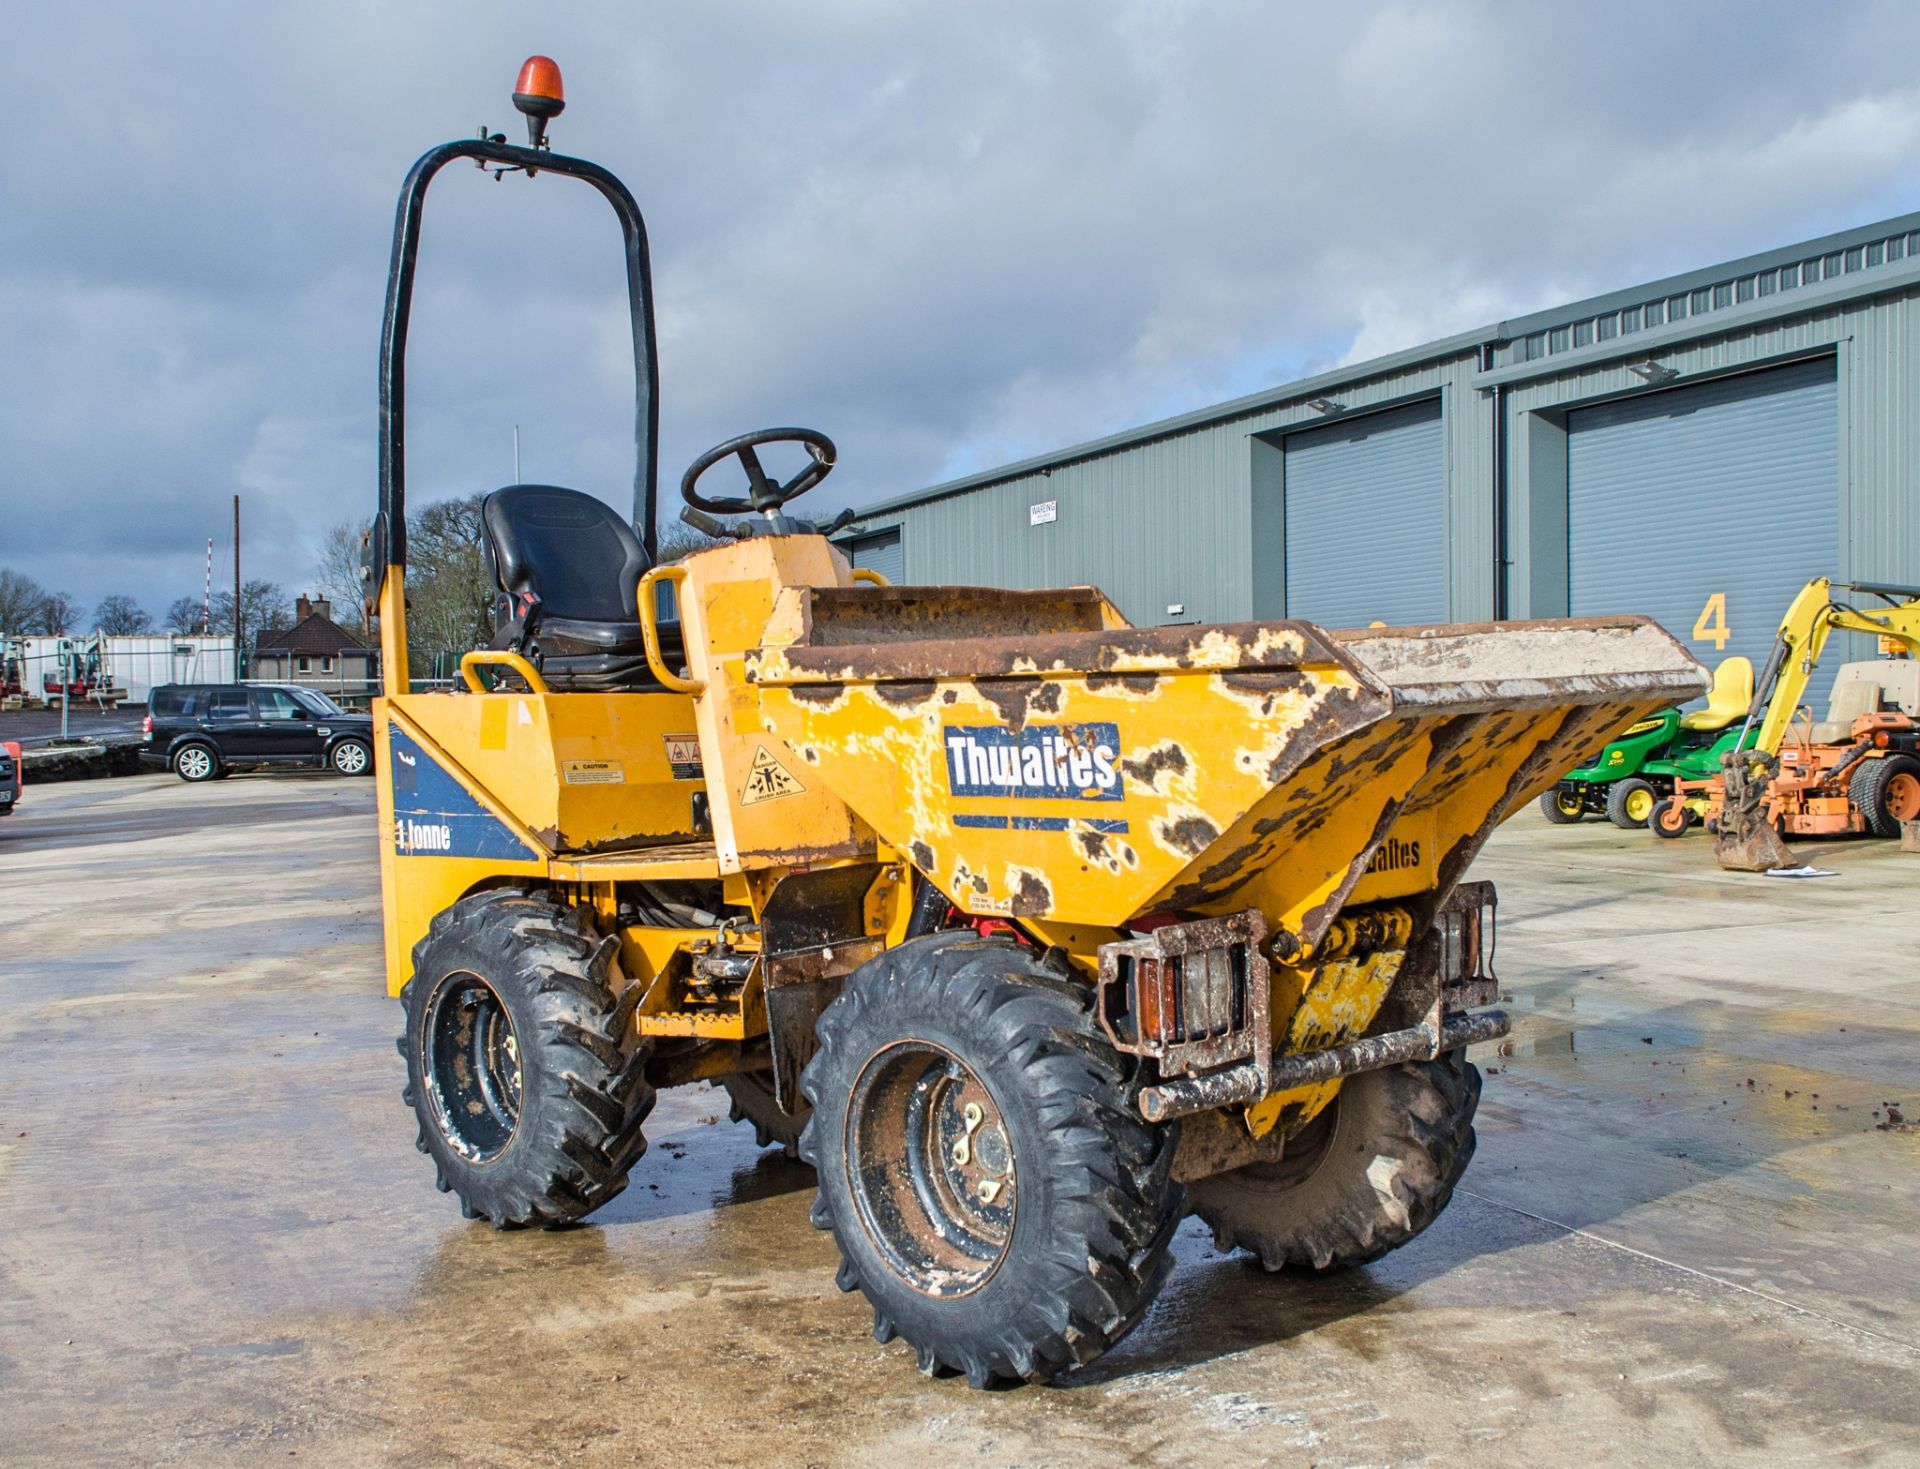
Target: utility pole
{"x":239,"y":658}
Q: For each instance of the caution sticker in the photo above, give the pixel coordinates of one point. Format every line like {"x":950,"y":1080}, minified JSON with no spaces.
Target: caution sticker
{"x":683,"y":757}
{"x":593,"y":773}
{"x":768,"y":780}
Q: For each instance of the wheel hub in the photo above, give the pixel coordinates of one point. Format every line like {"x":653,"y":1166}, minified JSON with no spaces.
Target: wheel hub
{"x":472,"y":1067}
{"x":932,"y":1168}
{"x":1903,"y":797}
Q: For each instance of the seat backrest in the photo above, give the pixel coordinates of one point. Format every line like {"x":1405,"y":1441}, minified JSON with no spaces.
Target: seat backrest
{"x":1728,"y":699}
{"x":575,"y":553}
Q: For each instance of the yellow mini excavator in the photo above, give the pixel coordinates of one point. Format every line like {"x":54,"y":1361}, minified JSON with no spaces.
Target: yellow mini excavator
{"x":1032,"y":930}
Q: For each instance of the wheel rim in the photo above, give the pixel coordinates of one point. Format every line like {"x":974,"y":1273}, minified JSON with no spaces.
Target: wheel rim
{"x":195,"y":764}
{"x":349,"y":759}
{"x":1639,"y":805}
{"x":1567,"y":803}
{"x":1903,"y":797}
{"x":1305,"y":1151}
{"x":472,"y":1067}
{"x":931,"y":1168}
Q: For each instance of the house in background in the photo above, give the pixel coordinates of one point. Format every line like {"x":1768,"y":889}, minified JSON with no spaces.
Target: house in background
{"x":315,"y":651}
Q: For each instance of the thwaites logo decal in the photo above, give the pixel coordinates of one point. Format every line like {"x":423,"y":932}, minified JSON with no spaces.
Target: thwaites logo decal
{"x":1394,"y":855}
{"x":435,"y":816}
{"x":1050,"y":762}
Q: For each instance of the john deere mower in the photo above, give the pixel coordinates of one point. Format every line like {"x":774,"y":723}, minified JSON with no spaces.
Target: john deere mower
{"x":1032,"y":930}
{"x":1633,"y":771}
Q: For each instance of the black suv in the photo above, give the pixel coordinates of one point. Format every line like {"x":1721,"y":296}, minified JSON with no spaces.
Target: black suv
{"x":204,"y":731}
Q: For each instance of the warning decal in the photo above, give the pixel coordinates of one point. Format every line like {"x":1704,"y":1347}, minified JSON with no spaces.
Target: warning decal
{"x":683,"y":756}
{"x":768,"y":780}
{"x":593,"y":773}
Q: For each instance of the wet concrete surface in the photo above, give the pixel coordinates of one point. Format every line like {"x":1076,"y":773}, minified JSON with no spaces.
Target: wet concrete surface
{"x":37,"y":727}
{"x":1684,"y":1239}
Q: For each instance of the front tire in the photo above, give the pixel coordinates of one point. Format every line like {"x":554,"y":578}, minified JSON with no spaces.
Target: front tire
{"x":1367,"y":1175}
{"x":1562,"y":807}
{"x":1670,"y":819}
{"x":1630,"y":803}
{"x":992,"y":1190}
{"x":197,"y":763}
{"x":526,"y":1104}
{"x":350,"y":757}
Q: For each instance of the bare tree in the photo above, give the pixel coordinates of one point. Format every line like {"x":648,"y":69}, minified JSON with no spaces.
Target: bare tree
{"x":59,"y":615}
{"x":263,"y":608}
{"x":186,"y":614}
{"x":336,"y":572}
{"x":679,"y":540}
{"x":120,"y":616}
{"x":449,"y":590}
{"x":21,"y":601}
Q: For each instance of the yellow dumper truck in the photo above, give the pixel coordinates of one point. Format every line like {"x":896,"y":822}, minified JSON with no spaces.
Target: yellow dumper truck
{"x":1032,"y":930}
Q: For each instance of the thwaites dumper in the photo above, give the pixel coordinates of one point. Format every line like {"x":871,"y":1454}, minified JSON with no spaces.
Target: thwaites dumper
{"x":1030,"y":930}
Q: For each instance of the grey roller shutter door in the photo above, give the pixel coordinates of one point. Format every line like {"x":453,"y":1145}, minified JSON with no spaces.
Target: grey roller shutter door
{"x":1728,"y":489}
{"x":1366,"y":519}
{"x":885,"y":553}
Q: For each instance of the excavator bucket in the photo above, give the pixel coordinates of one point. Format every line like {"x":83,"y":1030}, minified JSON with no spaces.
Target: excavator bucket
{"x":1035,"y":759}
{"x":1747,"y":840}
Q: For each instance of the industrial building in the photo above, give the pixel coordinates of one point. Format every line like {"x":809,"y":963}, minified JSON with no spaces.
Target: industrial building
{"x":1695,"y":448}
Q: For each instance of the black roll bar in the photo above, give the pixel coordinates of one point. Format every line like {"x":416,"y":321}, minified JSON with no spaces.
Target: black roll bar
{"x":390,"y":526}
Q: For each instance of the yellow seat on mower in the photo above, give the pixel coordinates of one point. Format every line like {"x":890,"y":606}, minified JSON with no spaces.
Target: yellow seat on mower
{"x":1729,"y":698}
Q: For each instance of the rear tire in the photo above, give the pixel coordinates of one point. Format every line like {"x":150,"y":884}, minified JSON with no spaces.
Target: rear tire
{"x":753,"y":1102}
{"x":1562,"y":807}
{"x":993,"y":1192}
{"x":1887,"y":791}
{"x":1365,"y":1180}
{"x":1670,"y":819}
{"x":197,"y":763}
{"x":526,"y":1103}
{"x":1630,"y":803}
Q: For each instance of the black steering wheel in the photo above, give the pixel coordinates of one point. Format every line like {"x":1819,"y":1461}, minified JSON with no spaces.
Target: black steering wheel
{"x":764,"y":495}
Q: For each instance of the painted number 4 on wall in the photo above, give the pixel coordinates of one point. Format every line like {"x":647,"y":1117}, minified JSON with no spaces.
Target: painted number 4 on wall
{"x":1711,"y":625}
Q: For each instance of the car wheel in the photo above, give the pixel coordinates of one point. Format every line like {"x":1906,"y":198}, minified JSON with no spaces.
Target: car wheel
{"x":195,"y":763}
{"x":350,"y":757}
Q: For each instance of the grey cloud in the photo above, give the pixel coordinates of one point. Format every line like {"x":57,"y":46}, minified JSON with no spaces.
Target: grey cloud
{"x":948,"y":235}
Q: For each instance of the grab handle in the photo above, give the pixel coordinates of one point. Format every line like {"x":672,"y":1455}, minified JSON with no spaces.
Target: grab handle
{"x":650,"y":630}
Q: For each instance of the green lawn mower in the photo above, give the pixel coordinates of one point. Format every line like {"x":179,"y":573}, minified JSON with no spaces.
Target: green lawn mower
{"x":1624,"y":781}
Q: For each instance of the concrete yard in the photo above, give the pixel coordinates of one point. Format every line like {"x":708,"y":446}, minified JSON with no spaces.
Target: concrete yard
{"x":1686,"y":1238}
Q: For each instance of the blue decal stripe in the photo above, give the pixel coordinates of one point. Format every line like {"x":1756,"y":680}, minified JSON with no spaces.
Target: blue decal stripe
{"x":435,"y":816}
{"x":1104,"y":825}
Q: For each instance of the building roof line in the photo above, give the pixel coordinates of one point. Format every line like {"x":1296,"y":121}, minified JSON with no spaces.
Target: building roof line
{"x":1457,"y":345}
{"x":1447,"y":347}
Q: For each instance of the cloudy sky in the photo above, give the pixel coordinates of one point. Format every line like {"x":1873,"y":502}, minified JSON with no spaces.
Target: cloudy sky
{"x":949,"y":235}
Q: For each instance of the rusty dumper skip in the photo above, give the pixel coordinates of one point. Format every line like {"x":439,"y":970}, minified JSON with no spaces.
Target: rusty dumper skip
{"x":1030,"y":930}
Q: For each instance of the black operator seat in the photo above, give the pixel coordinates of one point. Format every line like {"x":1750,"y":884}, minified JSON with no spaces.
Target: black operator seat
{"x":568,"y":567}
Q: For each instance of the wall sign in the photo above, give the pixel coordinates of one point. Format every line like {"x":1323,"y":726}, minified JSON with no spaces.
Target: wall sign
{"x":1045,"y":513}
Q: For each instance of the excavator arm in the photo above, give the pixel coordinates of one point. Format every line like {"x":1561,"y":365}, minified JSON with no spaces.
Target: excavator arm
{"x":1811,"y":618}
